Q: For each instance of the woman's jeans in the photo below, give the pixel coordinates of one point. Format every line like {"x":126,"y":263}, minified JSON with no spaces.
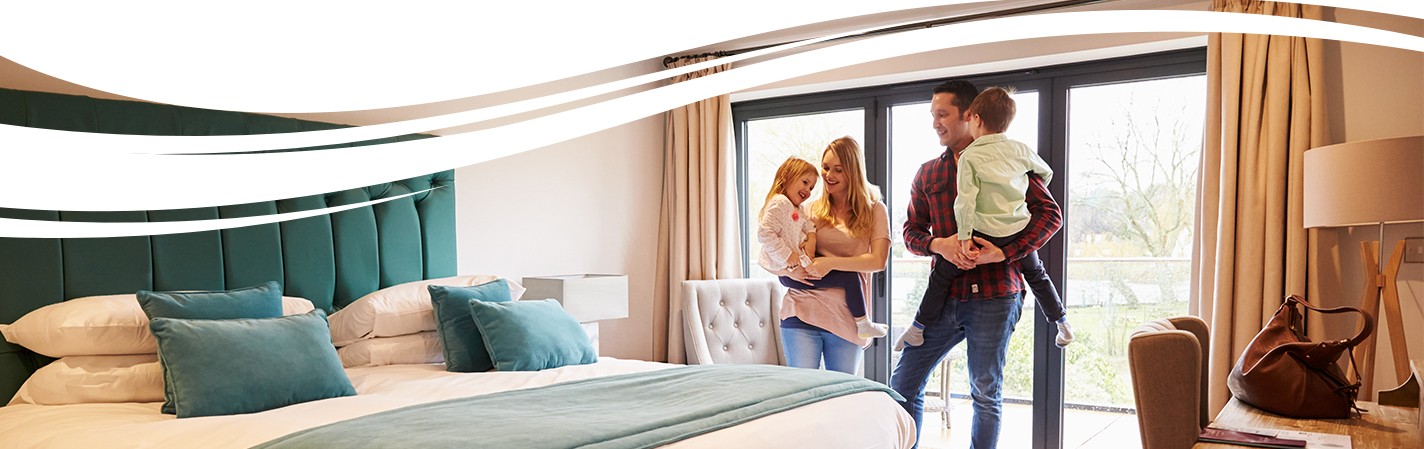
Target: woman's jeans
{"x":985,"y":325}
{"x":805,"y":348}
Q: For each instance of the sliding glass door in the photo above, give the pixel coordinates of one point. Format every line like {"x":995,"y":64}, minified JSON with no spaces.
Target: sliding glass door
{"x":1123,"y":137}
{"x":1133,"y":151}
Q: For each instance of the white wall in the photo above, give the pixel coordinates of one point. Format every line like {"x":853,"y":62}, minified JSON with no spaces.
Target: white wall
{"x":1373,"y":92}
{"x":585,"y":206}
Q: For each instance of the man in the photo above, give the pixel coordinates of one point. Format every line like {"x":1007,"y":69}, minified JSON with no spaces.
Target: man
{"x":983,"y":303}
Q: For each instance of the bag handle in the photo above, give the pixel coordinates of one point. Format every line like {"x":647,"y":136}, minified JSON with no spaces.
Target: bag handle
{"x":1368,"y":322}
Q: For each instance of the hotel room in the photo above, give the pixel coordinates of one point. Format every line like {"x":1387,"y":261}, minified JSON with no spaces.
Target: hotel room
{"x":594,"y":203}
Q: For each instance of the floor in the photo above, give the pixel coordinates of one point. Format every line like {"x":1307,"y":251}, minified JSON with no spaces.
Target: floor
{"x":1084,"y":429}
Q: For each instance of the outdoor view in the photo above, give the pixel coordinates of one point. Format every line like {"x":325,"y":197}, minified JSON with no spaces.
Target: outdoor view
{"x":1132,"y":156}
{"x":1133,"y":153}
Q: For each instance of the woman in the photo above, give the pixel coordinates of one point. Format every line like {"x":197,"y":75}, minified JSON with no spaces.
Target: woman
{"x":852,"y":234}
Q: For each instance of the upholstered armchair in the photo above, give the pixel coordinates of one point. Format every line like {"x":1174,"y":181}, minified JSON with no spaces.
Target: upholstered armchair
{"x":1169,"y":376}
{"x":732,"y":321}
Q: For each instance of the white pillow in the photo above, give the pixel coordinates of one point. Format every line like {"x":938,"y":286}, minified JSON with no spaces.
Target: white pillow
{"x":97,"y":325}
{"x":398,"y":310}
{"x":92,"y":379}
{"x":420,"y":347}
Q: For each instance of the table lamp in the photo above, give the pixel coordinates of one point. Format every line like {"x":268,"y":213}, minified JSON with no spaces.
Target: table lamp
{"x":1372,"y":182}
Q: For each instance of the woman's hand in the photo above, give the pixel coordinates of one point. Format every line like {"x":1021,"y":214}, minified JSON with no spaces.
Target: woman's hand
{"x":819,"y":267}
{"x":800,"y":275}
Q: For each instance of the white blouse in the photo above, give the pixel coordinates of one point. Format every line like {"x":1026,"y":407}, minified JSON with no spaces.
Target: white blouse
{"x":781,"y":231}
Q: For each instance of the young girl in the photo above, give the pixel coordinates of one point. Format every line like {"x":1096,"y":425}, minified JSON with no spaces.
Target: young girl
{"x":788,"y":239}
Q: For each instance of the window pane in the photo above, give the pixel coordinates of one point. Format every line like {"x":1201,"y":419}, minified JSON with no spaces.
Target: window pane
{"x":771,"y":141}
{"x":1133,"y":156}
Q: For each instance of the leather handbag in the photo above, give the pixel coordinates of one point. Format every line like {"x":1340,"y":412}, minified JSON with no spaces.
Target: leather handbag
{"x":1285,"y":373}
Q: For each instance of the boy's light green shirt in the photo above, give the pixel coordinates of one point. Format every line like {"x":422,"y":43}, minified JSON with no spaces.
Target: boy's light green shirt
{"x":993,"y":176}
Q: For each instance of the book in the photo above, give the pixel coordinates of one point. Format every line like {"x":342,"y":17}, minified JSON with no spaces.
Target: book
{"x":1215,"y":435}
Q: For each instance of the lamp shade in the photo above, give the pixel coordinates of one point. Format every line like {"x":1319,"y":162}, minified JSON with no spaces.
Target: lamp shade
{"x":587,"y":297}
{"x":1367,"y":182}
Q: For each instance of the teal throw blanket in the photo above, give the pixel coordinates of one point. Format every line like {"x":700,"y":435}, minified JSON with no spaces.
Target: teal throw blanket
{"x":638,"y":410}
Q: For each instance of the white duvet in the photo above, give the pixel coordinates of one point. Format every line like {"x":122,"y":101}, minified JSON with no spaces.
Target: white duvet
{"x":862,"y":420}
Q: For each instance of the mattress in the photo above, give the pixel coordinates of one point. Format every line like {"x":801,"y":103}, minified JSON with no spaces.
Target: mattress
{"x":860,"y":420}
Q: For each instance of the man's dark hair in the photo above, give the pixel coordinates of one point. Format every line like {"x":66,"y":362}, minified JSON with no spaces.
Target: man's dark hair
{"x":964,"y":92}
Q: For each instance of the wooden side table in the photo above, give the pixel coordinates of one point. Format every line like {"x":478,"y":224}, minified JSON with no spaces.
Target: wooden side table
{"x":1382,"y":427}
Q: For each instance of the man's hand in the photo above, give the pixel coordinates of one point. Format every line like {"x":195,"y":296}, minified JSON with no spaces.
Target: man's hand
{"x":970,"y":251}
{"x":988,"y":253}
{"x":948,"y":247}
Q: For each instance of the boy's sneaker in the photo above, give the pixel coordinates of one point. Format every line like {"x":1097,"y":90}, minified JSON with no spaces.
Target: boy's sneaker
{"x":1065,"y":333}
{"x":914,"y":336}
{"x":869,"y":329}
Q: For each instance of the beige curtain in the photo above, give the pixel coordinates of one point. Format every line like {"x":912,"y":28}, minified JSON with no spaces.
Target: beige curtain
{"x":1264,"y":109}
{"x":698,"y":232}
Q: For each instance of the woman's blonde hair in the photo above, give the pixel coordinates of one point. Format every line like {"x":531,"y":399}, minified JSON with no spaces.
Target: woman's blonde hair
{"x":790,"y":171}
{"x":860,"y":194}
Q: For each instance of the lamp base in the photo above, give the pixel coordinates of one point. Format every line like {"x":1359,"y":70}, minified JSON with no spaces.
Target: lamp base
{"x":1381,"y":288}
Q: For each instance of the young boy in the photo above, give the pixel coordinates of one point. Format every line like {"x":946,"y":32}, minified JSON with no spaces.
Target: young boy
{"x":992,"y":177}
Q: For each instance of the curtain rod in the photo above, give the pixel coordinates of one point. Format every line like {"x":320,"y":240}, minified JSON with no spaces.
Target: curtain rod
{"x":909,"y":26}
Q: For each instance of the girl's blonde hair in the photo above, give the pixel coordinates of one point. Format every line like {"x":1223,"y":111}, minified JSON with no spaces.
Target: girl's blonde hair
{"x":860,"y":195}
{"x":790,"y":171}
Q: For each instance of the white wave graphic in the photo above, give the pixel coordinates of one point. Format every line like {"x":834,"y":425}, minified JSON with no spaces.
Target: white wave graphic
{"x":144,"y":182}
{"x":49,"y":141}
{"x":16,"y":228}
{"x":1408,"y":8}
{"x":271,"y":56}
{"x":81,"y":143}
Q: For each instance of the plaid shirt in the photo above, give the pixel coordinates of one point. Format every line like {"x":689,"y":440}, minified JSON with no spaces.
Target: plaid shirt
{"x":932,"y":209}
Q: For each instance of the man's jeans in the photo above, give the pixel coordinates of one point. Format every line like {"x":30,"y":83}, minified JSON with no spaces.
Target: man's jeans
{"x":985,"y":325}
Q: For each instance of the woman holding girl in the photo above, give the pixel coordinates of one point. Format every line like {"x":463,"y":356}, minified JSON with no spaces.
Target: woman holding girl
{"x":852,"y":235}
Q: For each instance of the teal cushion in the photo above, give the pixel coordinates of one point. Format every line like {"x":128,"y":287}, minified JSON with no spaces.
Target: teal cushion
{"x":226,"y":367}
{"x":259,"y":301}
{"x":464,"y":347}
{"x":531,"y":335}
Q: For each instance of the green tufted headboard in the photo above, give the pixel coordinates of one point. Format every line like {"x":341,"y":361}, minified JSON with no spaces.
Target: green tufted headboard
{"x":328,"y":259}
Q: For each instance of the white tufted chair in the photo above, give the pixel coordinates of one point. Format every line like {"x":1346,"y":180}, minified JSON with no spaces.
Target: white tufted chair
{"x":732,"y":321}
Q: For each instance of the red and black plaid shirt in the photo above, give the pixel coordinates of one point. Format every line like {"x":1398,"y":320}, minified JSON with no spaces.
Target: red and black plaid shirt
{"x":932,"y":211}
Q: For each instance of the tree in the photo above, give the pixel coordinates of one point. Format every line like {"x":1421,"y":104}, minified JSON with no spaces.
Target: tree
{"x":1145,"y":173}
{"x":1141,"y":188}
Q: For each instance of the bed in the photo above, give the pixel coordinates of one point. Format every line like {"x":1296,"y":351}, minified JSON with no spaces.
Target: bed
{"x":332,"y":262}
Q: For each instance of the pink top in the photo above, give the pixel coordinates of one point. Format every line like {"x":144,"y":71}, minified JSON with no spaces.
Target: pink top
{"x":826,"y":308}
